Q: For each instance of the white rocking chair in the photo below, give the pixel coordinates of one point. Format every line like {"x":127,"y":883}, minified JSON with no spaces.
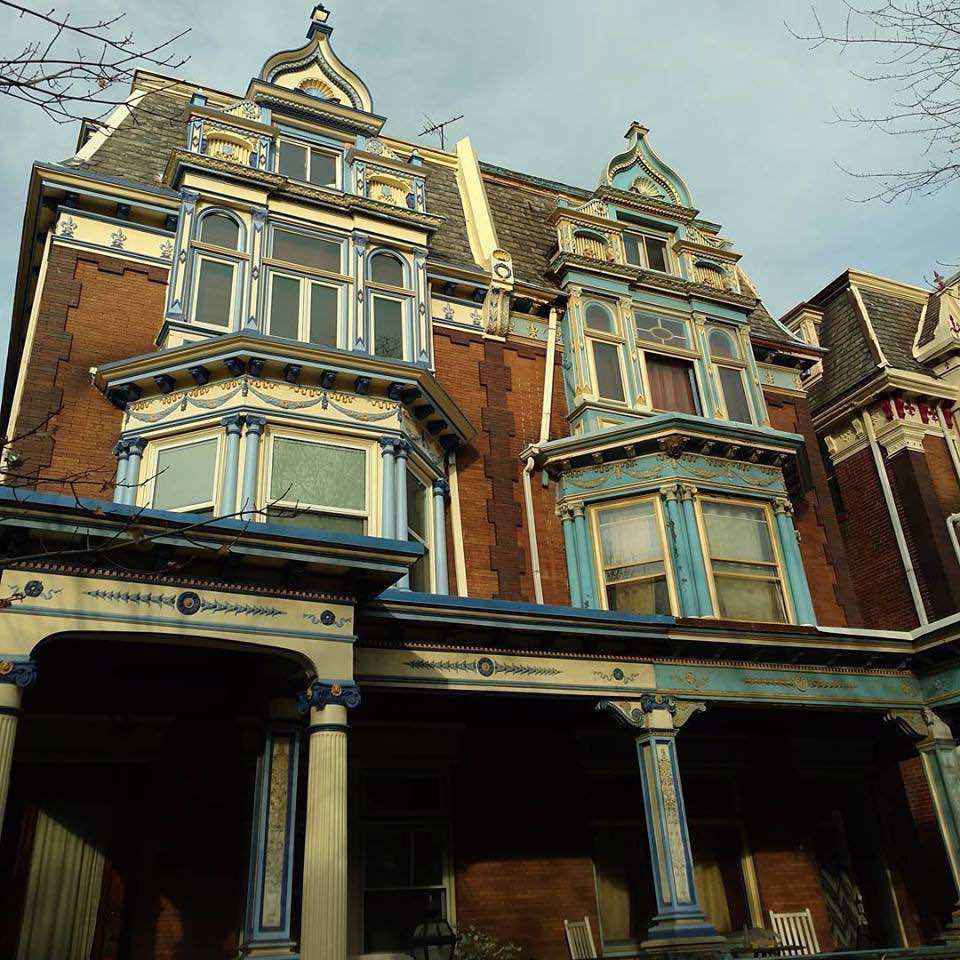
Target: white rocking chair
{"x":796,"y":933}
{"x":580,"y":939}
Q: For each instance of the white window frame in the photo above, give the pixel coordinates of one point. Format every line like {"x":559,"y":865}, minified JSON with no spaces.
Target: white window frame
{"x":377,"y":293}
{"x":305,"y":284}
{"x":642,"y":236}
{"x":593,"y":514}
{"x":370,"y":515}
{"x":148,"y":468}
{"x":200,"y":255}
{"x":684,"y":353}
{"x":404,"y":295}
{"x":320,"y":148}
{"x":738,"y":363}
{"x":616,"y":339}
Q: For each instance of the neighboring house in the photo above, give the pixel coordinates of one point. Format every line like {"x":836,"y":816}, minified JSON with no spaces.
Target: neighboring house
{"x":317,"y":435}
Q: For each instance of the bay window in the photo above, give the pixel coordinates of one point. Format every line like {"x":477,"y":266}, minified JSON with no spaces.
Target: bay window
{"x":321,"y":485}
{"x":632,"y":550}
{"x":725,"y":355}
{"x":301,"y":161}
{"x":182,"y":475}
{"x":744,"y":564}
{"x":650,"y":252}
{"x":605,"y":345}
{"x":668,"y":362}
{"x":305,"y":286}
{"x":391,"y":304}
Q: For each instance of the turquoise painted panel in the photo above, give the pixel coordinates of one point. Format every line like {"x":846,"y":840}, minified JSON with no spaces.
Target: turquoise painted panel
{"x":942,"y":688}
{"x":746,"y":683}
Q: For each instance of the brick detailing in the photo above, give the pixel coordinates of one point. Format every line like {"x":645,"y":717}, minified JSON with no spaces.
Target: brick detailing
{"x":875,"y":566}
{"x":499,"y":388}
{"x":93,"y":309}
{"x":942,"y":474}
{"x":821,"y":544}
{"x":922,"y":515}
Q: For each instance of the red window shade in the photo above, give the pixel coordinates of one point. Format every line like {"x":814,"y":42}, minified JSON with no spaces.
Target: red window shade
{"x":671,"y":384}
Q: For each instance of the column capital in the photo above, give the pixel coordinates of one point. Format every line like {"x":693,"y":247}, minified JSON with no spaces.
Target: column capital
{"x":670,"y":491}
{"x":564,"y":512}
{"x":255,"y":425}
{"x":653,"y":712}
{"x":121,"y":449}
{"x":783,"y":507}
{"x":21,"y":673}
{"x":922,"y":725}
{"x":233,"y":422}
{"x":687,"y":491}
{"x":135,"y":445}
{"x":388,"y":446}
{"x":577,"y":509}
{"x":441,"y":488}
{"x":320,"y":693}
{"x":403,"y":448}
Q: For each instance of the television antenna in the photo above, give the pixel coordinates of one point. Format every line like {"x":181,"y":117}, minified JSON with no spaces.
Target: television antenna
{"x":439,"y":128}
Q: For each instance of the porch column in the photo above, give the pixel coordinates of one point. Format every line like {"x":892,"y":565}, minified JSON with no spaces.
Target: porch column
{"x":441,"y":489}
{"x":570,"y":550}
{"x":16,"y":674}
{"x":796,"y":576}
{"x":938,"y":754}
{"x":251,"y":463}
{"x":134,"y":456}
{"x":231,"y":465}
{"x":680,"y":922}
{"x":698,"y":569}
{"x":388,"y":520}
{"x":401,"y":531}
{"x":270,"y":882}
{"x":323,"y":918}
{"x":584,"y":559}
{"x":680,"y":550}
{"x":121,"y":452}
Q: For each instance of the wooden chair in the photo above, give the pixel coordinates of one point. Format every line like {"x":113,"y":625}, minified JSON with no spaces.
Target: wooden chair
{"x":797,"y":935}
{"x":580,"y":939}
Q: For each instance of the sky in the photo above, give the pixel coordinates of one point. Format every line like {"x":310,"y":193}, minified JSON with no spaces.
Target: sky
{"x":741,"y":109}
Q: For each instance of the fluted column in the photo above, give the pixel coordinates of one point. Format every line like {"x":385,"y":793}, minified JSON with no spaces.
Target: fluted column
{"x":400,"y":472}
{"x":584,"y":559}
{"x":121,"y":452}
{"x":680,"y":551}
{"x":323,"y":920}
{"x":388,"y":521}
{"x":698,"y":567}
{"x":251,"y":463}
{"x":15,"y":676}
{"x":570,"y":549}
{"x":231,"y":465}
{"x":441,"y":490}
{"x":134,"y":456}
{"x":793,"y":561}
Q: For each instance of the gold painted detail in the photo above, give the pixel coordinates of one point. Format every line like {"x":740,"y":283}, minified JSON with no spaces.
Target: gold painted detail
{"x":799,"y":682}
{"x":276,"y":840}
{"x":674,"y":831}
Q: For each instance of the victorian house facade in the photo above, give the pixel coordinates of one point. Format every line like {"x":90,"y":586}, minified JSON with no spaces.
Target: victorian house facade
{"x":390,"y":535}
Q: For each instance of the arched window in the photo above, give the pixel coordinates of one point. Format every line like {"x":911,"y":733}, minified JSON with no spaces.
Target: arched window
{"x":389,"y":307}
{"x":220,"y":230}
{"x":722,"y":345}
{"x":726,"y":357}
{"x":387,"y":269}
{"x":598,"y":317}
{"x":606,"y":351}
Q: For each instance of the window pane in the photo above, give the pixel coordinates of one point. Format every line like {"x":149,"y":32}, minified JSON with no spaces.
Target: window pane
{"x":220,"y":230}
{"x":742,"y":599}
{"x":293,"y":160}
{"x":738,"y":533}
{"x":388,"y":328}
{"x":631,"y":246}
{"x":420,"y":574}
{"x":285,"y":307}
{"x":390,"y":917}
{"x":388,"y":857}
{"x":214,"y":293}
{"x":598,"y":317}
{"x":671,"y":384}
{"x":185,"y":476}
{"x":323,"y":169}
{"x":734,"y":394}
{"x":427,"y":858}
{"x":317,"y":474}
{"x":656,"y":253}
{"x":639,"y":596}
{"x":324,"y":308}
{"x":606,"y":359}
{"x":305,"y":250}
{"x":656,"y":329}
{"x":386,"y":269}
{"x":314,"y":520}
{"x":629,"y":535}
{"x":722,"y":345}
{"x":416,"y":506}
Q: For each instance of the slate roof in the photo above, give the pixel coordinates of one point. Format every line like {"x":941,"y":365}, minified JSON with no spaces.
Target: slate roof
{"x":930,"y":320}
{"x":450,"y":242}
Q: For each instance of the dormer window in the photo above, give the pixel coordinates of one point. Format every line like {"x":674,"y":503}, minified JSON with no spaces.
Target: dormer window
{"x":217,"y":269}
{"x":645,"y":250}
{"x":311,"y":164}
{"x":391,"y":303}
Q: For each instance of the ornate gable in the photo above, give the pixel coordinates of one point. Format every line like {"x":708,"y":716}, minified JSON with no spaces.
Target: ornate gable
{"x":639,"y":170}
{"x":314,"y":69}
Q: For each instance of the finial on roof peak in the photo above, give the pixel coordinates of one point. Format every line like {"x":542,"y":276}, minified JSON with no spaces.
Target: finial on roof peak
{"x":636,"y":129}
{"x":318,"y":21}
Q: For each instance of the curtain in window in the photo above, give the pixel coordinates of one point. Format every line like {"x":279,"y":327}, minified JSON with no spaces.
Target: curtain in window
{"x":671,"y":384}
{"x":629,"y":535}
{"x":713,"y":898}
{"x":63,"y":886}
{"x":318,"y":475}
{"x":185,"y":475}
{"x":738,"y":533}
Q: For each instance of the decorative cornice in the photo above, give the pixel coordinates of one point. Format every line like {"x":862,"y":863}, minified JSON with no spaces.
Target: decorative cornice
{"x":21,"y":673}
{"x":320,"y":693}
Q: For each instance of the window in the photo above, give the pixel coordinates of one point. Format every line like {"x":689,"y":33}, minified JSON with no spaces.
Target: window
{"x":301,"y":162}
{"x":302,"y":304}
{"x":743,"y":561}
{"x":388,"y":327}
{"x":391,"y":303}
{"x":214,"y":293}
{"x":726,"y":358}
{"x":418,"y":521}
{"x":406,"y":874}
{"x":662,"y":330}
{"x":321,"y":486}
{"x":632,"y":555}
{"x":605,"y":342}
{"x":185,"y":476}
{"x":646,"y":251}
{"x":387,"y":269}
{"x":672,"y":382}
{"x":220,"y":230}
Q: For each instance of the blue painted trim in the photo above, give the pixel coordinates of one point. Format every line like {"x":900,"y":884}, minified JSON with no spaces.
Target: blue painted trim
{"x":388,"y":522}
{"x":441,"y":573}
{"x":796,"y":576}
{"x":698,"y":567}
{"x":400,"y":484}
{"x":680,"y":551}
{"x":573,"y":570}
{"x":231,"y":466}
{"x":588,"y":587}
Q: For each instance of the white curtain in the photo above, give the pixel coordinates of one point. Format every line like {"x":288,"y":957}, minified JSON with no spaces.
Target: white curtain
{"x":63,"y":890}
{"x":629,"y":535}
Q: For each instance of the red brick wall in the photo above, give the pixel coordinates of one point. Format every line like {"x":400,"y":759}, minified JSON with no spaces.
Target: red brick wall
{"x":93,"y":309}
{"x":500,"y":389}
{"x":942,"y":473}
{"x":821,"y":545}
